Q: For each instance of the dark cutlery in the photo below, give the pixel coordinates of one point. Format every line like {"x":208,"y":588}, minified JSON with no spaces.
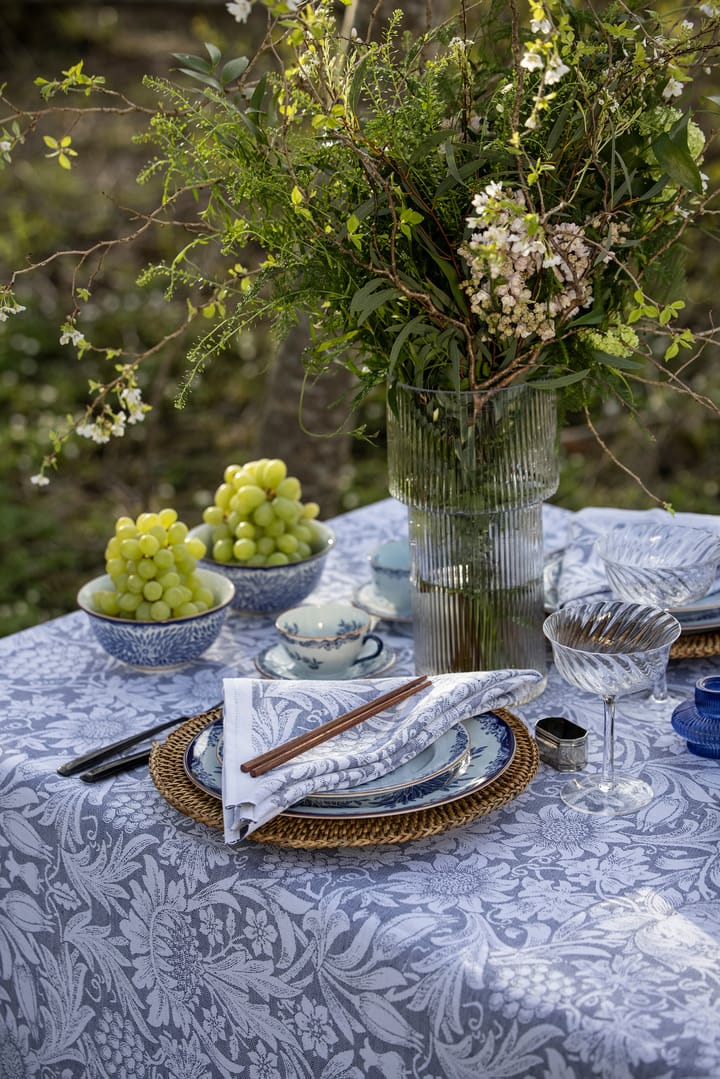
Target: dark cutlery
{"x":113,"y":768}
{"x":95,"y":756}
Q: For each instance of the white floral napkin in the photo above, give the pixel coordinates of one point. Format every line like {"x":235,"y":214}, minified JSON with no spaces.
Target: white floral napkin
{"x":580,"y":574}
{"x":259,"y":714}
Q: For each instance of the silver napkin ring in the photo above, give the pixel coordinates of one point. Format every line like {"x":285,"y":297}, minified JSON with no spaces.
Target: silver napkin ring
{"x":561,"y":743}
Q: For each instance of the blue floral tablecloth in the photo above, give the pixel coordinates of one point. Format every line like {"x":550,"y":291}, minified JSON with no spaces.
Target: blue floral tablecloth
{"x":536,"y":942}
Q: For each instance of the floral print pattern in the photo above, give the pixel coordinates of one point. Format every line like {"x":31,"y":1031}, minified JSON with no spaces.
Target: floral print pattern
{"x":535,"y":943}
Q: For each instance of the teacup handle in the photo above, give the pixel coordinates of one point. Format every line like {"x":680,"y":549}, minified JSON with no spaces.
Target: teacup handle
{"x":369,"y":637}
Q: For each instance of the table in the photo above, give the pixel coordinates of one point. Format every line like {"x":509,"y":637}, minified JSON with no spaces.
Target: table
{"x":534,"y":942}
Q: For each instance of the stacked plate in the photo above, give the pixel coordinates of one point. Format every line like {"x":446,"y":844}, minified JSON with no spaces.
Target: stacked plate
{"x":464,"y":760}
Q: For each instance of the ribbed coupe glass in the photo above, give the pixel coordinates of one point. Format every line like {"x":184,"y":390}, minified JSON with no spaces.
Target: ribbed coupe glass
{"x":665,"y":565}
{"x":610,"y":648}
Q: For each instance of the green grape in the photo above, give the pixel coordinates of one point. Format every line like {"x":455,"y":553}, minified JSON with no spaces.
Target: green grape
{"x":288,"y":544}
{"x":146,"y":521}
{"x":277,"y":558}
{"x":243,"y":549}
{"x":164,"y":559}
{"x":257,"y":560}
{"x":195,"y":547}
{"x":174,"y":597}
{"x":112,"y":549}
{"x":129,"y":602}
{"x":153,"y":590}
{"x":310,"y":509}
{"x":275,"y":528}
{"x":143,"y":612}
{"x":160,"y":534}
{"x":160,"y":611}
{"x":303,"y":532}
{"x":115,"y":566}
{"x":289,"y":488}
{"x":248,"y":499}
{"x":185,"y":610}
{"x":265,"y":545}
{"x":176,"y":533}
{"x":273,"y":472}
{"x":246,"y":530}
{"x":223,"y":495}
{"x":127,"y":530}
{"x":120,"y":581}
{"x":263,"y":515}
{"x":105,"y":601}
{"x":149,"y":545}
{"x":135,"y":583}
{"x":130,"y":549}
{"x":286,"y":509}
{"x":222,"y":550}
{"x":221,"y":532}
{"x":204,"y":595}
{"x":213,"y":515}
{"x":230,"y":472}
{"x":167,"y":517}
{"x":304,"y":550}
{"x":170,"y":579}
{"x":146,"y":569}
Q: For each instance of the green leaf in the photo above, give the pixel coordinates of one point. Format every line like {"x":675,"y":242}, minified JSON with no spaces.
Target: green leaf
{"x":674,"y":157}
{"x":213,"y":52}
{"x":209,"y":80}
{"x":560,"y":381}
{"x":621,"y":363}
{"x":196,"y":63}
{"x":368,"y":298}
{"x":233,"y":69}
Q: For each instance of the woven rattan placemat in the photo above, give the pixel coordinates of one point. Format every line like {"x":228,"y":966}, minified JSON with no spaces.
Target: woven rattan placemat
{"x":168,"y":773}
{"x":696,"y":646}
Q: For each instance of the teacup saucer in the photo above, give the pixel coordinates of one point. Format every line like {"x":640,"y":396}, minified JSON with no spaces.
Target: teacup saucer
{"x":367,"y":597}
{"x":274,"y":662}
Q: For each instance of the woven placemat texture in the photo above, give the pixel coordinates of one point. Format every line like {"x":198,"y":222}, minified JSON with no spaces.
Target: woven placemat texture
{"x":695,"y":646}
{"x":168,"y":774}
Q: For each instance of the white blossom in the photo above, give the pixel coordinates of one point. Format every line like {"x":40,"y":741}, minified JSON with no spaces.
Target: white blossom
{"x":540,"y":26}
{"x":71,"y":336}
{"x":5,"y":312}
{"x":673,"y":89}
{"x":555,"y":70}
{"x":131,"y":399}
{"x":5,"y":146}
{"x":532,"y":61}
{"x":39,"y":480}
{"x":239,"y":9}
{"x":96,"y":432}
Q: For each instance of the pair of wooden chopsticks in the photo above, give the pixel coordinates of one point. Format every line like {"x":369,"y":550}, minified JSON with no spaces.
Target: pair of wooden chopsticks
{"x":265,"y":762}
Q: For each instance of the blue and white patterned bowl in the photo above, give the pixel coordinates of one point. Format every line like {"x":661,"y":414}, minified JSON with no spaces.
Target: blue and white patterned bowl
{"x":159,"y":645}
{"x":267,"y":589}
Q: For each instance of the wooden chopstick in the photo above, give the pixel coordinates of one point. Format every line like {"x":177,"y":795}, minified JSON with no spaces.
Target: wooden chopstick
{"x":264,"y":762}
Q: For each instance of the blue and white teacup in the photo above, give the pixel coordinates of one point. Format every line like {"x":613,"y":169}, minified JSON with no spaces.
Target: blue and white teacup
{"x":328,"y":638}
{"x":390,"y":565}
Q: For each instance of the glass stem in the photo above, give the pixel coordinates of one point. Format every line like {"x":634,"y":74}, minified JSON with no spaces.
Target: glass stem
{"x":608,"y":765}
{"x":659,"y":691}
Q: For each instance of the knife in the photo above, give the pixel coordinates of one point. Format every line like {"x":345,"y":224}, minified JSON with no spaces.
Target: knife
{"x":94,"y":756}
{"x":112,"y":768}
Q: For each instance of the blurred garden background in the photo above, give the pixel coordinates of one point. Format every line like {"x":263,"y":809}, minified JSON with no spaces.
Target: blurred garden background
{"x":246,"y":403}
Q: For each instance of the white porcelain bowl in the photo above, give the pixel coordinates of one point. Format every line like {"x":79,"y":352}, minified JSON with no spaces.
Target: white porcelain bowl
{"x":267,"y":589}
{"x":159,"y":645}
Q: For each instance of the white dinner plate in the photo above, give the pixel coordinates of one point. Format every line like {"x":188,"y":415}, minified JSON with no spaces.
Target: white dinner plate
{"x":274,"y":662}
{"x":491,"y":750}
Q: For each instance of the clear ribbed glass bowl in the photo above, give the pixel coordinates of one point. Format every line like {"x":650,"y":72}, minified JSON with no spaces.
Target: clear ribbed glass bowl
{"x":611,"y":648}
{"x":666,"y":565}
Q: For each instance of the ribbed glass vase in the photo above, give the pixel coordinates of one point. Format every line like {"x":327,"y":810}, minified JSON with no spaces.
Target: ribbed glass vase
{"x":474,"y":470}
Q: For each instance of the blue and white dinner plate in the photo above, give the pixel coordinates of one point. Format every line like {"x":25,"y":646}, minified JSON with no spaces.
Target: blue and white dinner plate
{"x":274,"y":662}
{"x":491,"y":750}
{"x":367,"y":597}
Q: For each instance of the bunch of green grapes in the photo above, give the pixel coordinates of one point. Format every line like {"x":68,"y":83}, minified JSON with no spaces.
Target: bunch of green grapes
{"x":258,"y":517}
{"x":152,"y":564}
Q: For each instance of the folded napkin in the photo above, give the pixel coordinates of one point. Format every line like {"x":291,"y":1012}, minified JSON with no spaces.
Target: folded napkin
{"x":579,"y":571}
{"x":260,"y":714}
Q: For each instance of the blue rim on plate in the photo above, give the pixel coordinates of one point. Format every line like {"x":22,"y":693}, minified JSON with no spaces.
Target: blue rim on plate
{"x":274,"y":662}
{"x":367,"y":597}
{"x":492,"y":748}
